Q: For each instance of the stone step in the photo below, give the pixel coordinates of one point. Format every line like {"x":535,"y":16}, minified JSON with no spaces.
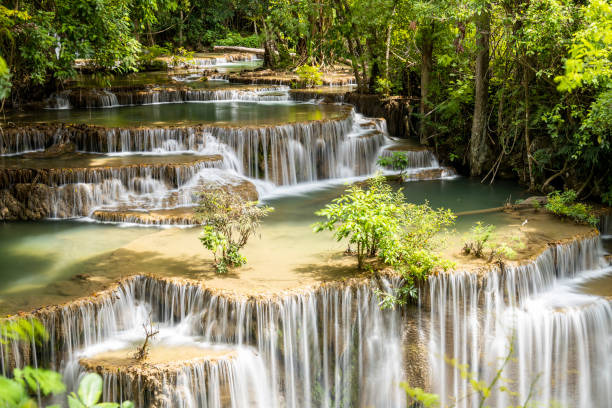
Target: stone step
{"x":72,"y":168}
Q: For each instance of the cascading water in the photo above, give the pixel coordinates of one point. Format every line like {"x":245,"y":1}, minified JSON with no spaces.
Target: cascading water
{"x":92,"y":98}
{"x":559,"y":337}
{"x":330,"y":347}
{"x":270,"y":156}
{"x":212,"y":61}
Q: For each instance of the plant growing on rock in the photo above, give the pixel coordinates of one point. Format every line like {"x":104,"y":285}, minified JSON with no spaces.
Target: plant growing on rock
{"x":564,"y":204}
{"x":382,"y":224}
{"x":143,"y":351}
{"x":309,"y":76}
{"x":481,"y":239}
{"x":398,"y":161}
{"x":481,"y":234}
{"x":229,"y":222}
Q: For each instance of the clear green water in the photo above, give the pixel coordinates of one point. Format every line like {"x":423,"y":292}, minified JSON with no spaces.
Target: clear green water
{"x":220,"y":113}
{"x":38,"y":253}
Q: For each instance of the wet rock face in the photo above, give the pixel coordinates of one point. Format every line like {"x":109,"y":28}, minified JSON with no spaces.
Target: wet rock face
{"x":24,"y":202}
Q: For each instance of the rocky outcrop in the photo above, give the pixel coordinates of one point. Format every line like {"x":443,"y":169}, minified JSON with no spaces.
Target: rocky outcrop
{"x":267,"y":76}
{"x":22,"y":202}
{"x":397,"y":111}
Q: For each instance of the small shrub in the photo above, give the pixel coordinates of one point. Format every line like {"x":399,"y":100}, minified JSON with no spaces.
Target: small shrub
{"x":229,"y":223}
{"x":382,"y":224}
{"x":309,"y":76}
{"x":148,"y":58}
{"x":383,"y":86}
{"x":480,"y":235}
{"x":564,"y":204}
{"x":398,"y":162}
{"x":481,"y":239}
{"x":180,"y":57}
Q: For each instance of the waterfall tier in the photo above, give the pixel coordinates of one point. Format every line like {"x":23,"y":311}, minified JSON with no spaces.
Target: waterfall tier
{"x":210,"y":61}
{"x":331,"y":346}
{"x":282,"y":155}
{"x":172,"y":170}
{"x":94,"y":98}
{"x":560,"y":337}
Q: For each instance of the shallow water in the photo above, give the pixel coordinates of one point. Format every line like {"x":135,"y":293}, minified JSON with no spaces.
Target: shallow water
{"x":37,"y":253}
{"x":220,"y":113}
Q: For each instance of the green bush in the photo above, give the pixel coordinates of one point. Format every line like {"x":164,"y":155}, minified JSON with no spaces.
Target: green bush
{"x":229,"y":222}
{"x":237,"y":40}
{"x":309,"y":76}
{"x":398,"y":161}
{"x":383,"y":86}
{"x":380,"y":223}
{"x":480,"y":235}
{"x":148,"y":58}
{"x":564,"y":204}
{"x":481,"y":238}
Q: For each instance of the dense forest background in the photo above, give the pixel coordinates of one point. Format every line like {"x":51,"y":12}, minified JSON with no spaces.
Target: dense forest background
{"x":508,"y":88}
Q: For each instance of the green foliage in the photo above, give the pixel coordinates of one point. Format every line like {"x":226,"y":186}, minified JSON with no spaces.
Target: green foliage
{"x":181,"y":57}
{"x":235,"y":39}
{"x":417,"y":395}
{"x":5,"y":79}
{"x":380,"y":223}
{"x":590,"y":59}
{"x":27,"y":382}
{"x":398,"y":162}
{"x":309,"y":75}
{"x":21,"y":329}
{"x":89,"y":393}
{"x":481,"y":234}
{"x":484,"y":390}
{"x":229,"y":221}
{"x":148,"y":58}
{"x":482,"y":237}
{"x":564,"y":204}
{"x":383,"y":86}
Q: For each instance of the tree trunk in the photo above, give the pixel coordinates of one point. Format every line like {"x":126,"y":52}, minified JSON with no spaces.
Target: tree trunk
{"x":480,"y":151}
{"x":181,"y":29}
{"x":270,"y":52}
{"x":388,"y":42}
{"x":527,"y":140}
{"x":426,"y":68}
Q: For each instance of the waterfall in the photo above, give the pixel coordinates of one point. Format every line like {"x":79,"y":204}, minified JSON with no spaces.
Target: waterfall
{"x":560,"y":337}
{"x":417,"y":159}
{"x":212,"y":61}
{"x":327,"y":347}
{"x":93,"y":98}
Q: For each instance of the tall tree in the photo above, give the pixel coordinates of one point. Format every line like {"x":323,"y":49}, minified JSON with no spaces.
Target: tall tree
{"x":480,"y":151}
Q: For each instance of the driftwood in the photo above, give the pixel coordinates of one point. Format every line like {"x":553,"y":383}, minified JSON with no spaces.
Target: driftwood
{"x":227,"y":48}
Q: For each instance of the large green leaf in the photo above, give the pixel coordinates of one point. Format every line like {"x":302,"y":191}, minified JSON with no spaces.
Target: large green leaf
{"x":90,"y":389}
{"x":73,"y":402}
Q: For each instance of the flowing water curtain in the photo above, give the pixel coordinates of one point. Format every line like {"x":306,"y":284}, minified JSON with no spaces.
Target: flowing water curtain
{"x":561,"y":348}
{"x":330,"y":347}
